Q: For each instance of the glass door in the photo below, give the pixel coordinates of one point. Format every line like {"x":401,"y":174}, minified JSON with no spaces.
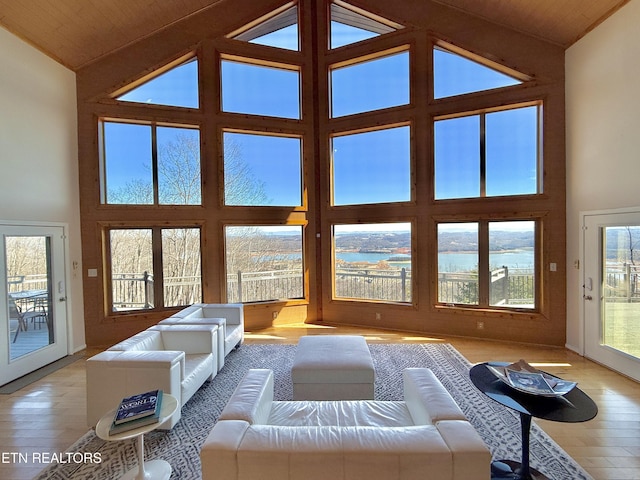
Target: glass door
{"x":33,"y":317}
{"x":611,"y":290}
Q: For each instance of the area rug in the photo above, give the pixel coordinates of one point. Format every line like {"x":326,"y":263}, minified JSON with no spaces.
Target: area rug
{"x":498,"y":426}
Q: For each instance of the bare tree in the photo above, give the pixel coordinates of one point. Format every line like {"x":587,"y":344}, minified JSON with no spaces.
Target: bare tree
{"x":179,"y":171}
{"x":179,"y":183}
{"x":632,"y":244}
{"x":241,"y":186}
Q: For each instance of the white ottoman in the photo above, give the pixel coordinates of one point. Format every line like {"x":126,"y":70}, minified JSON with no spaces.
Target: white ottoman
{"x":332,"y":367}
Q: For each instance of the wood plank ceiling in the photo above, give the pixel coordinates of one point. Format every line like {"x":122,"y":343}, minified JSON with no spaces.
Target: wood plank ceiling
{"x":78,"y":32}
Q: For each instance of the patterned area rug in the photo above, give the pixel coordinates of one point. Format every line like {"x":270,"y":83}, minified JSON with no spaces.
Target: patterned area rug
{"x":497,"y":425}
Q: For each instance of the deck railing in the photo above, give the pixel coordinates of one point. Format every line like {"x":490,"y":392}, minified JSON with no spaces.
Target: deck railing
{"x":622,"y":283}
{"x":509,"y":287}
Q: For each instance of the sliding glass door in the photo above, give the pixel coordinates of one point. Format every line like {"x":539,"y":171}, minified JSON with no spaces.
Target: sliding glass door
{"x":611,"y":290}
{"x":33,"y":326}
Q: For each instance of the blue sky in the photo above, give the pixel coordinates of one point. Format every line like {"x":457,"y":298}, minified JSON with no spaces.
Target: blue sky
{"x":373,"y":167}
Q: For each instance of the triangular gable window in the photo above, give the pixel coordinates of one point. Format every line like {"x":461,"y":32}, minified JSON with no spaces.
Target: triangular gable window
{"x":350,"y":24}
{"x":278,"y":29}
{"x":177,"y":87}
{"x":456,"y":73}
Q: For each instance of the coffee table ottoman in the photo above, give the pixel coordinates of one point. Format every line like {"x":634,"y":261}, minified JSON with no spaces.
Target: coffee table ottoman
{"x":332,"y":367}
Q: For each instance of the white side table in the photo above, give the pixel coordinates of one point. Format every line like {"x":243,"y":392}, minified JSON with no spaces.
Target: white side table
{"x":155,"y":469}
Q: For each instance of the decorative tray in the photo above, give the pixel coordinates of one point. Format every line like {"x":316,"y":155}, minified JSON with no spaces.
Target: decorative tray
{"x":527,"y":379}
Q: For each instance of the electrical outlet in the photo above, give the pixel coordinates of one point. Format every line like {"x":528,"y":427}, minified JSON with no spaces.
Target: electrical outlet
{"x":274,"y":315}
{"x":480,"y":325}
{"x":378,"y":316}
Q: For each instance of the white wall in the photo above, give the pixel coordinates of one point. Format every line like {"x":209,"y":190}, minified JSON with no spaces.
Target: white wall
{"x":39,"y":153}
{"x":603,"y":135}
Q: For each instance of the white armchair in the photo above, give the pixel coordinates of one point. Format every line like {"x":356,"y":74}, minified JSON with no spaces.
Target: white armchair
{"x":177,"y":359}
{"x":228,"y":316}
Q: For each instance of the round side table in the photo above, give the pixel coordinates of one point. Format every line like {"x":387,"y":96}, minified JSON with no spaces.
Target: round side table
{"x":575,"y":406}
{"x":155,"y":469}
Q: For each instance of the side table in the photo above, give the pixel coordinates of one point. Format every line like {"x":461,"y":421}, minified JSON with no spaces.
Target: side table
{"x":155,"y":469}
{"x":575,"y":406}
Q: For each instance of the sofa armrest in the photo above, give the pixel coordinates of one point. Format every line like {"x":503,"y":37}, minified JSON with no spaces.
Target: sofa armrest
{"x":113,"y":375}
{"x":232,"y":312}
{"x":219,"y":451}
{"x":471,"y":457}
{"x":427,"y":400}
{"x":252,"y":399}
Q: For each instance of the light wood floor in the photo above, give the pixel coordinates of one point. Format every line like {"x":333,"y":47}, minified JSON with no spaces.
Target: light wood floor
{"x":49,"y":416}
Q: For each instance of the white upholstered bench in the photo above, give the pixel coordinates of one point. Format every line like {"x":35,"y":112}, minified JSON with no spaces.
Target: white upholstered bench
{"x":332,"y":367}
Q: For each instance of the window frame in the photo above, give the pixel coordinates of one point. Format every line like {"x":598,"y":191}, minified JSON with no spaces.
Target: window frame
{"x":153,"y":125}
{"x":484,"y":300}
{"x":304,"y":299}
{"x":413,"y":275}
{"x":372,"y":129}
{"x":304,"y":201}
{"x":482,"y":113}
{"x":157,"y":261}
{"x":371,"y":57}
{"x":256,"y":61}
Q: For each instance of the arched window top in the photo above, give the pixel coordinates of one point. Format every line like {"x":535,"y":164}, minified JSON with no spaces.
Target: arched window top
{"x":350,"y":24}
{"x":457,"y":72}
{"x":174,"y":85}
{"x":278,"y":29}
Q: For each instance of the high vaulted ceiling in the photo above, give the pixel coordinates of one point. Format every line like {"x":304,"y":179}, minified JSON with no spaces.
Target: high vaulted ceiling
{"x":78,"y":32}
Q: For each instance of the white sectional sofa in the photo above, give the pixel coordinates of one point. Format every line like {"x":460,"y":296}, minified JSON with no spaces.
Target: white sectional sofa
{"x":426,"y":436}
{"x":228,"y":316}
{"x":175,"y":358}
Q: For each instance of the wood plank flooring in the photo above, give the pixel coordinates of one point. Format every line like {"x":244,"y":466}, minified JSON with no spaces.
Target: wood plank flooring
{"x":49,"y":415}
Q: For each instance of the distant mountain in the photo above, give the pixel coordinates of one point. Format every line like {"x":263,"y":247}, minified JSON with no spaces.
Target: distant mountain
{"x":371,"y":242}
{"x":385,"y":242}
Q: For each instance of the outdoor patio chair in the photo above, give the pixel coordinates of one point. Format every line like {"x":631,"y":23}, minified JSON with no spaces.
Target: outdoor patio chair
{"x":23,"y":317}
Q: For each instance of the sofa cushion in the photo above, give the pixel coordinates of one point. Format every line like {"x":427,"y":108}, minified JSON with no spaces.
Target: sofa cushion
{"x":363,"y":413}
{"x":198,"y":368}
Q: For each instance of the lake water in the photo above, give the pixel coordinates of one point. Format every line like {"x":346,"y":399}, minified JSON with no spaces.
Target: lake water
{"x":451,"y":262}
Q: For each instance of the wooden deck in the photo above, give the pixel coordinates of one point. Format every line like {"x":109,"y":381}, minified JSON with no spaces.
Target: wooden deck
{"x":35,"y":337}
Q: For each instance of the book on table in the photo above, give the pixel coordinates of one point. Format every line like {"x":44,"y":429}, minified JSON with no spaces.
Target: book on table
{"x":137,"y":411}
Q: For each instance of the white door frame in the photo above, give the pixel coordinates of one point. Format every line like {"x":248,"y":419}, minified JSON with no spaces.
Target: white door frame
{"x":591,"y":309}
{"x":62,"y":338}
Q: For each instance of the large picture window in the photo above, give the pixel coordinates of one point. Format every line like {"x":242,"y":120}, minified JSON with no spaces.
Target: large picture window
{"x":372,"y":167}
{"x":137,"y":284}
{"x":487,"y":154}
{"x":262,"y":170}
{"x":510,"y":279}
{"x":150,"y":164}
{"x":279,"y":140}
{"x":372,"y":262}
{"x":264,"y":263}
